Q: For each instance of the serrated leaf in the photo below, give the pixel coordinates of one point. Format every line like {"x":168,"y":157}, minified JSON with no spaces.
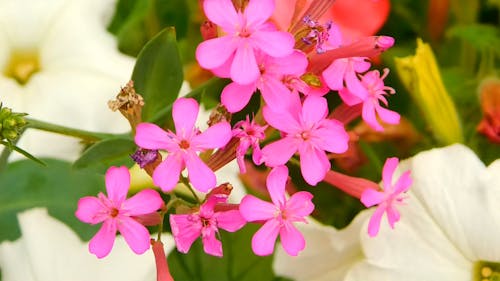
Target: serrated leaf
{"x":25,"y":185}
{"x":158,"y":73}
{"x":105,"y":151}
{"x":239,"y":263}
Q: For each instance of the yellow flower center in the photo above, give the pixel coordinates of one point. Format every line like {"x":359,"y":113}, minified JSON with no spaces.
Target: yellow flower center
{"x":22,"y":65}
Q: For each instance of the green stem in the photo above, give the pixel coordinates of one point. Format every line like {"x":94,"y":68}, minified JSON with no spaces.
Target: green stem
{"x":372,"y":156}
{"x":67,"y":131}
{"x":185,"y":181}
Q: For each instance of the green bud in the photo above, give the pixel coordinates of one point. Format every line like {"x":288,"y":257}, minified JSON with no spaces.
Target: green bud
{"x":4,"y":112}
{"x":9,"y":134}
{"x":9,"y":123}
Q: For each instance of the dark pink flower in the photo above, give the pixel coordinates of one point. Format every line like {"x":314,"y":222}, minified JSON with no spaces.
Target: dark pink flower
{"x":117,"y":213}
{"x":387,"y":199}
{"x":305,"y":129}
{"x":245,"y":32}
{"x":249,"y":134}
{"x":279,"y":215}
{"x":183,"y":146}
{"x":187,"y":228}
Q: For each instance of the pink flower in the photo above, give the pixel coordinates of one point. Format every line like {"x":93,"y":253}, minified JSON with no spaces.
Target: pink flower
{"x":278,"y":216}
{"x":388,"y":198}
{"x":270,"y":82}
{"x":245,"y":33}
{"x":117,"y":213}
{"x":306,"y":130}
{"x":249,"y":134}
{"x":183,"y":146}
{"x":206,"y":223}
{"x":374,"y":92}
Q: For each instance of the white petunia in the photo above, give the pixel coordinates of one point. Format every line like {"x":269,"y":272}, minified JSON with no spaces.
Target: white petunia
{"x":48,"y":250}
{"x":450,"y":227}
{"x":59,"y":64}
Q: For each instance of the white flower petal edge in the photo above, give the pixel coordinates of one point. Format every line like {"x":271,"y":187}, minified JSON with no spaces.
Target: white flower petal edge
{"x":328,"y":255}
{"x":450,"y":221}
{"x":50,"y":251}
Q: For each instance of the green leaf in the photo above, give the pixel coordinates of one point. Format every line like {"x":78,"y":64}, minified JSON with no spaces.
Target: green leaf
{"x":480,"y":36}
{"x":105,"y":151}
{"x":158,"y":73}
{"x":25,"y":185}
{"x":239,"y":263}
{"x":23,"y":152}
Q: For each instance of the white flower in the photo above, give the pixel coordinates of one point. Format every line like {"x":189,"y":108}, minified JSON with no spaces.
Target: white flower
{"x":449,"y":228}
{"x":328,"y":255}
{"x":48,"y":250}
{"x":59,"y":64}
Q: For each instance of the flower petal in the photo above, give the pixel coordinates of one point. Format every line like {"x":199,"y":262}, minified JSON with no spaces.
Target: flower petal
{"x":215,"y":52}
{"x":264,"y":239}
{"x":371,"y":197}
{"x":150,"y":136}
{"x":184,"y":112}
{"x":144,"y":202}
{"x":331,"y":136}
{"x":200,"y":175}
{"x":300,"y":205}
{"x":390,"y":166}
{"x":388,"y":116}
{"x":117,"y":183}
{"x":244,"y":69}
{"x":276,"y":182}
{"x":221,"y":12}
{"x":279,"y":152}
{"x":276,"y":95}
{"x":185,"y":229}
{"x":211,"y":245}
{"x":313,"y":164}
{"x":166,"y":175}
{"x":255,"y":209}
{"x":216,"y":136}
{"x":291,"y":239}
{"x":89,"y":210}
{"x":136,"y":235}
{"x":282,"y":120}
{"x":258,"y":12}
{"x":334,"y":74}
{"x":314,"y":109}
{"x":102,"y":243}
{"x":230,"y":220}
{"x":273,"y":43}
{"x":369,"y":117}
{"x":374,"y":224}
{"x":235,"y":96}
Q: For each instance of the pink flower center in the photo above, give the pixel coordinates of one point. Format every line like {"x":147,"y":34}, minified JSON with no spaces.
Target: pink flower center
{"x":184,"y":144}
{"x":305,"y":135}
{"x":114,"y":212}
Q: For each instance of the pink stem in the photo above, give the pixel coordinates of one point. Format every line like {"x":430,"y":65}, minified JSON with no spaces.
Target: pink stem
{"x":351,"y":185}
{"x":162,"y":271}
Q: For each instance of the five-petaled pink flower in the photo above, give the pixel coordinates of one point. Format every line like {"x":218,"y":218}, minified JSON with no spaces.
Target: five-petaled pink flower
{"x":373,"y":93}
{"x":388,"y":198}
{"x":278,"y":216}
{"x":244,"y":33}
{"x":187,"y":228}
{"x":306,"y":130}
{"x":116,"y":212}
{"x":183,"y":146}
{"x":249,"y":134}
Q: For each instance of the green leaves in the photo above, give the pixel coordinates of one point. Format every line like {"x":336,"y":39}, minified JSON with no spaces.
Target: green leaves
{"x":26,"y":184}
{"x":238,"y":264}
{"x":158,"y":73}
{"x":106,"y":151}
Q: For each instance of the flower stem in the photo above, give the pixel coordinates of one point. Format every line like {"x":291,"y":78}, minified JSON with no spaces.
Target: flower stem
{"x":185,"y":181}
{"x":67,"y":131}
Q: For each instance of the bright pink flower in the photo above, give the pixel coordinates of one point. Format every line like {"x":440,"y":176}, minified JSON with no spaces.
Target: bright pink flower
{"x":206,"y":223}
{"x":116,"y":212}
{"x":387,"y":199}
{"x":278,"y":216}
{"x":270,"y":82}
{"x":244,"y":33}
{"x":305,"y":129}
{"x":249,"y":134}
{"x":183,"y":146}
{"x":374,"y":92}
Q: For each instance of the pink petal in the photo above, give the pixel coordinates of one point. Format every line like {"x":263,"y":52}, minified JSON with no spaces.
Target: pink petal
{"x":374,"y":224}
{"x":215,"y":52}
{"x":102,"y":243}
{"x":279,"y":152}
{"x":291,"y":239}
{"x":258,"y":12}
{"x":117,"y":183}
{"x":368,"y":115}
{"x":166,"y":175}
{"x":90,"y":210}
{"x":273,"y":43}
{"x":255,"y":209}
{"x":392,"y":215}
{"x":353,"y":84}
{"x":211,"y":245}
{"x":244,"y":69}
{"x":293,"y":64}
{"x":388,"y":116}
{"x":403,"y":184}
{"x":215,"y":136}
{"x":313,"y":164}
{"x":314,"y":109}
{"x":207,"y":208}
{"x":144,"y":202}
{"x":136,"y":235}
{"x":334,"y":74}
{"x":332,"y":137}
{"x":235,"y":96}
{"x":390,"y":166}
{"x":349,"y":98}
{"x":150,"y":136}
{"x":185,"y":229}
{"x":276,"y":95}
{"x":257,"y":155}
{"x":264,"y":239}
{"x":200,"y":175}
{"x":184,"y":112}
{"x":281,"y":120}
{"x":299,"y":205}
{"x":371,"y":197}
{"x":221,"y":12}
{"x":276,"y":182}
{"x":230,"y":220}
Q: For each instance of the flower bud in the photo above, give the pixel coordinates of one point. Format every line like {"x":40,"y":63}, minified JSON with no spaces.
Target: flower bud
{"x":11,"y":124}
